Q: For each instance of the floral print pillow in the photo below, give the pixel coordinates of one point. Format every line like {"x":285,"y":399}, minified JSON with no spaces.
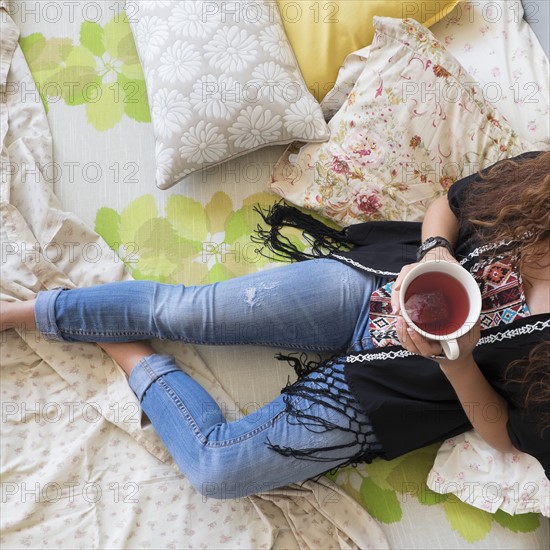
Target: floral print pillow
{"x":413,"y":124}
{"x":222,"y":80}
{"x":468,"y":467}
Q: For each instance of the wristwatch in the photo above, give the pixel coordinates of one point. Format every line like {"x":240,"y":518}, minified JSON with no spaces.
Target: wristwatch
{"x":430,"y":243}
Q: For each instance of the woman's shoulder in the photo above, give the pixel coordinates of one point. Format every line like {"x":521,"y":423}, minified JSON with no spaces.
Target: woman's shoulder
{"x":457,"y":190}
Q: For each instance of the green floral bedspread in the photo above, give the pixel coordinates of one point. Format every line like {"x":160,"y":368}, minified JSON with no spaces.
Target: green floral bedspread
{"x":200,"y":234}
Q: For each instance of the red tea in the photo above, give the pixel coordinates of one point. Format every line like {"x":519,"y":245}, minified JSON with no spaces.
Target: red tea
{"x":437,"y":303}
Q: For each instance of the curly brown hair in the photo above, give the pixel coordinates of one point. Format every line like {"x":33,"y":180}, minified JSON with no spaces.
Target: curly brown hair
{"x":513,"y":204}
{"x":533,"y":375}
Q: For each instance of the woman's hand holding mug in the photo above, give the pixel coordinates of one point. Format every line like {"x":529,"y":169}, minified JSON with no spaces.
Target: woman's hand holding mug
{"x":439,"y":303}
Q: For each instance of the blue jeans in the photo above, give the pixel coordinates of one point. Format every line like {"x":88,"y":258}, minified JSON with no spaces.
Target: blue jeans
{"x":318,"y":305}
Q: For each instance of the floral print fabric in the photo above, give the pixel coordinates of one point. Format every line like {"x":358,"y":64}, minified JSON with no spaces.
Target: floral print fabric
{"x":472,"y":470}
{"x":501,"y":52}
{"x":132,"y":216}
{"x":497,"y":47}
{"x":222,"y":81}
{"x":81,"y":467}
{"x":412,"y":125}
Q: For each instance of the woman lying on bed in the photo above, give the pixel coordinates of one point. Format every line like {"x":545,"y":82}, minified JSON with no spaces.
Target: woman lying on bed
{"x":384,"y":392}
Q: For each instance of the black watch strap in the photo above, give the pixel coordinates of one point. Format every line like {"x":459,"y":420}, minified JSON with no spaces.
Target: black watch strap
{"x":430,"y":243}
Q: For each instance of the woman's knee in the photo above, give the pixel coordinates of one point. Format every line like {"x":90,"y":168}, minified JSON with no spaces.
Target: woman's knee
{"x":221,"y":473}
{"x":224,"y":483}
{"x":230,"y":489}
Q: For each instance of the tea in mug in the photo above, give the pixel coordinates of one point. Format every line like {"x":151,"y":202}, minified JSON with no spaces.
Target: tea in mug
{"x":437,"y":303}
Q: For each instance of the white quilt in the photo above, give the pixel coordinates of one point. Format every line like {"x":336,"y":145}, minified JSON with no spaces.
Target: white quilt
{"x":79,"y":466}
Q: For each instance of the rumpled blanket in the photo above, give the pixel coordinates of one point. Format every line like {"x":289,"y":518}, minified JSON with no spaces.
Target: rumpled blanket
{"x":80,"y":467}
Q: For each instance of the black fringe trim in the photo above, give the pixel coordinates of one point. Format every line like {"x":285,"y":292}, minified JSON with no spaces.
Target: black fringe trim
{"x":301,"y":363}
{"x":331,"y":391}
{"x":328,"y":389}
{"x":323,"y":239}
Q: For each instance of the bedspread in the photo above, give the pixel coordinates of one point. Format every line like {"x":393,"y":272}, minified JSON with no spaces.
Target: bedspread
{"x":80,"y":466}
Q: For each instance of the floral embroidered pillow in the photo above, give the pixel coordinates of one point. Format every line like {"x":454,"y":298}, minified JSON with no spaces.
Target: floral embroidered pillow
{"x":222,"y":80}
{"x":497,"y":47}
{"x":412,"y":125}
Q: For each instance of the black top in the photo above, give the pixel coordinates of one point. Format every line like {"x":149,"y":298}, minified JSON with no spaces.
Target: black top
{"x":407,"y":397}
{"x":411,"y":403}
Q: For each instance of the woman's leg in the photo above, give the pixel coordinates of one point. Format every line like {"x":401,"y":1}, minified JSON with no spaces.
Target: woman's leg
{"x":17,"y":315}
{"x":311,"y":305}
{"x":235,"y":459}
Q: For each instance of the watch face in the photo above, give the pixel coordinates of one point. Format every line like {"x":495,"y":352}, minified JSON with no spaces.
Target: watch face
{"x":430,"y":244}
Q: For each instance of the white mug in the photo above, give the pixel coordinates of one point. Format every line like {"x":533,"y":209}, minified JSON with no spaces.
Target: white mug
{"x":467,"y":282}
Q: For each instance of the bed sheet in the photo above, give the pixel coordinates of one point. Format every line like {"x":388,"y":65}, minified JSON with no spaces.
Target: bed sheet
{"x":104,"y":173}
{"x":81,"y":467}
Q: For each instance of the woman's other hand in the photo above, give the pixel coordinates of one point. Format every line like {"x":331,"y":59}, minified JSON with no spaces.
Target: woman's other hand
{"x":417,"y":344}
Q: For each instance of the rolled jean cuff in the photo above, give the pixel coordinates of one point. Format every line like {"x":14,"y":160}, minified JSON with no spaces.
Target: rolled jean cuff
{"x":147,"y":370}
{"x":44,"y":314}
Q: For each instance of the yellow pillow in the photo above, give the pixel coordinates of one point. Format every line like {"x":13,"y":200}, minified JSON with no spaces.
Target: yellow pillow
{"x":324,"y":32}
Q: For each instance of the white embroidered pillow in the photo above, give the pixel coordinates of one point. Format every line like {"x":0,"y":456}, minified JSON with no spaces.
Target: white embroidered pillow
{"x":222,"y":81}
{"x":412,"y":125}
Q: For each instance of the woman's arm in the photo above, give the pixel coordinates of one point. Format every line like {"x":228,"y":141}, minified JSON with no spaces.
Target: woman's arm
{"x":485,"y":408}
{"x":439,"y":221}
